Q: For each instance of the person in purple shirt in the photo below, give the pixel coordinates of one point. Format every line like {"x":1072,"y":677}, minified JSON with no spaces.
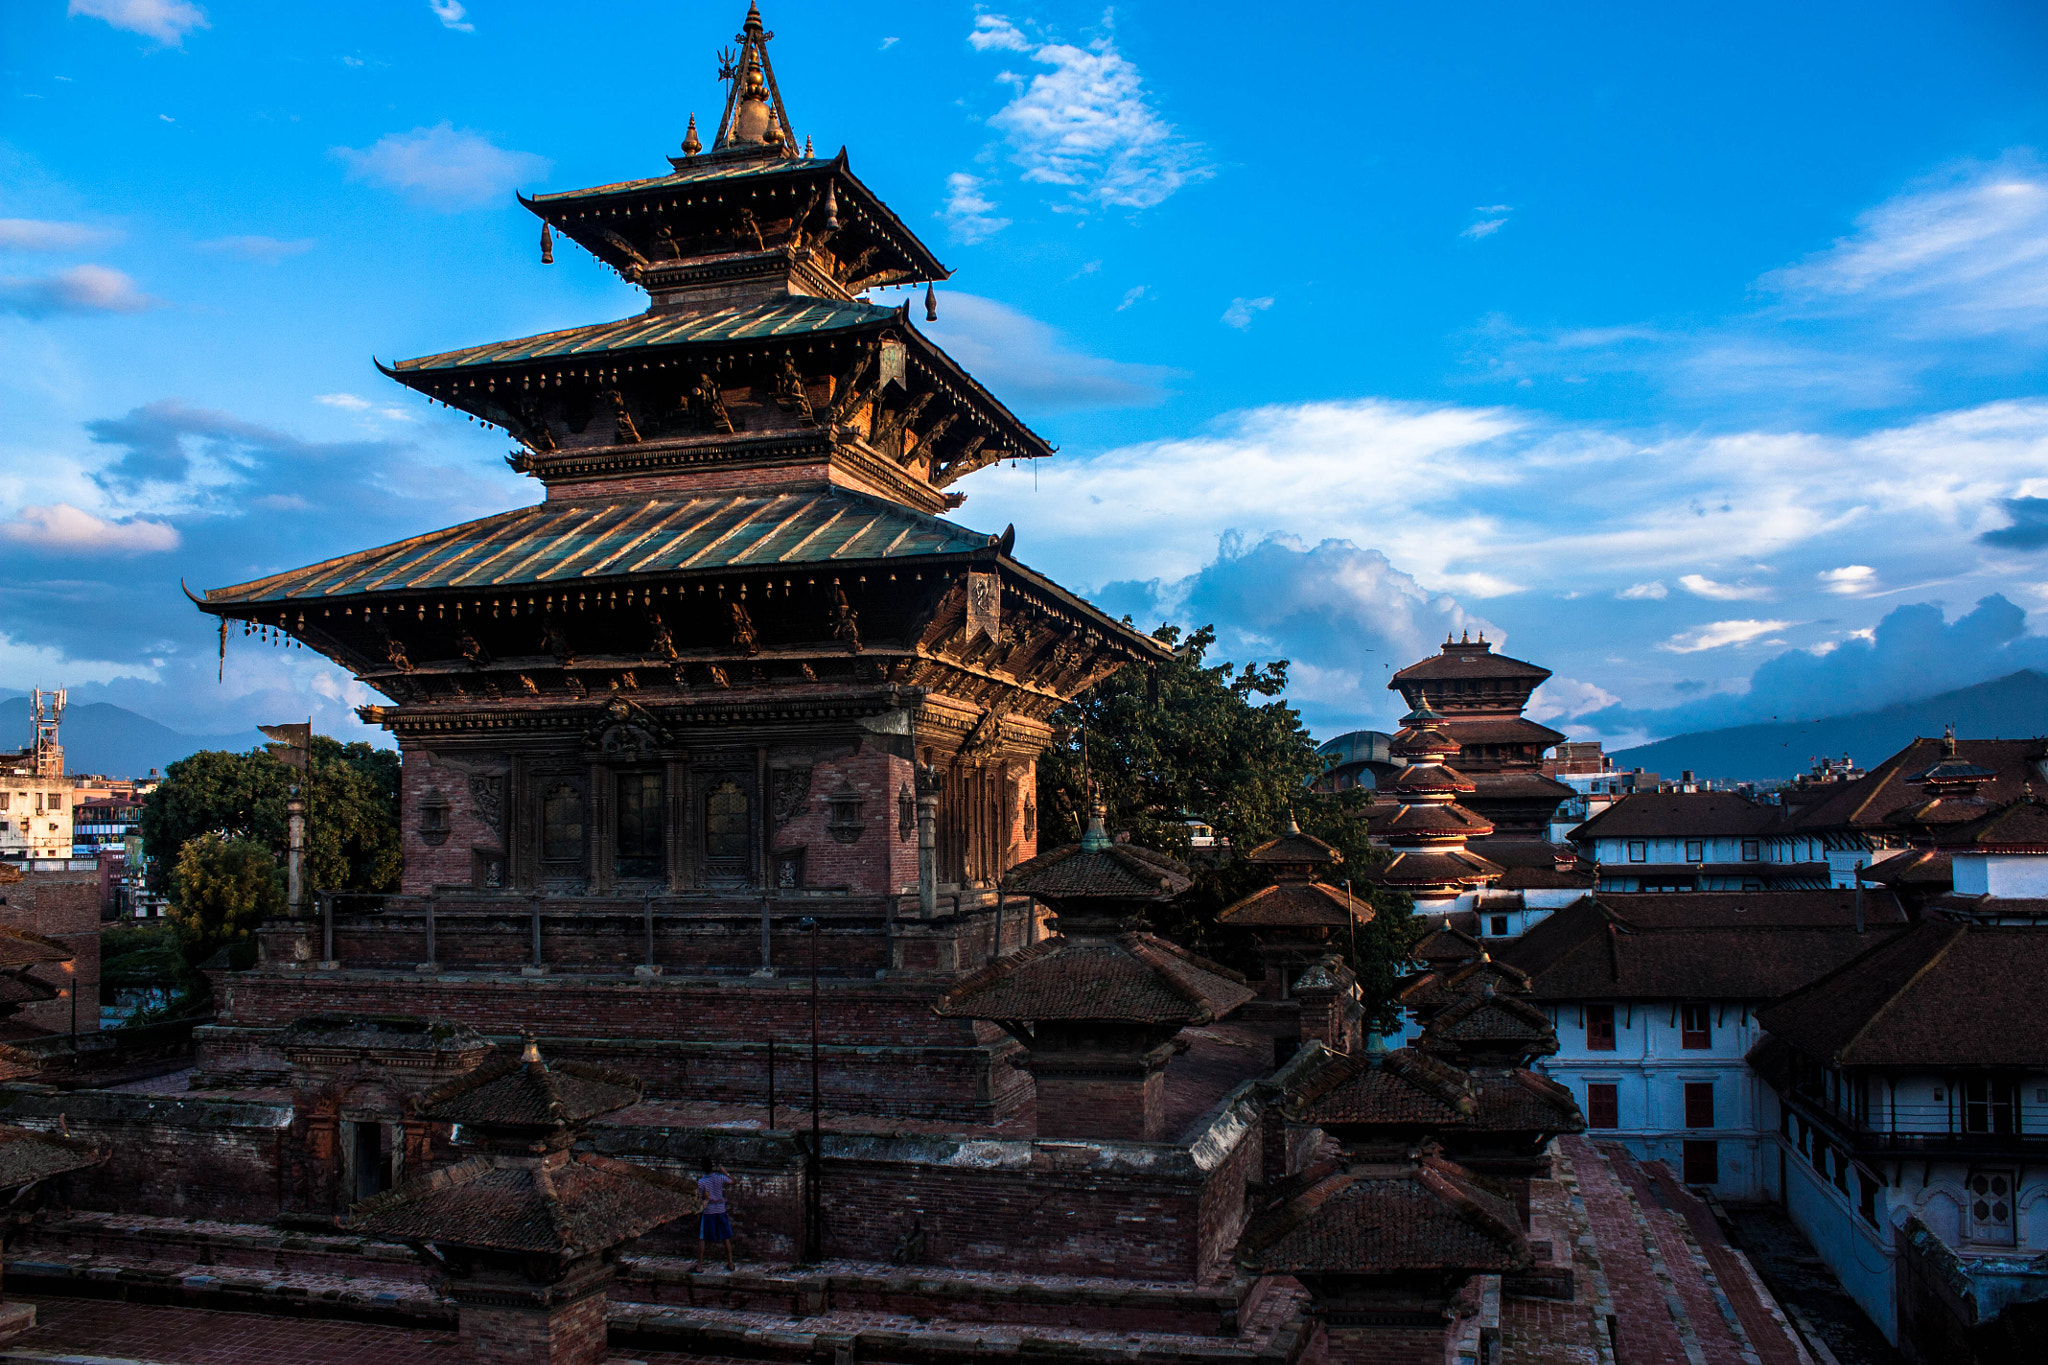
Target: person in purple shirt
{"x":714,"y":1224}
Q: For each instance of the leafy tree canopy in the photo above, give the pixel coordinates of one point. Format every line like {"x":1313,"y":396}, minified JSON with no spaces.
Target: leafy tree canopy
{"x":221,"y":889}
{"x":352,"y":812}
{"x":1216,"y":743}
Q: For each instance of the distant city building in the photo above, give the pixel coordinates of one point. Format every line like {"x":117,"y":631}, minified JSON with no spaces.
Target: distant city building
{"x":1361,"y":758}
{"x":1696,"y":841}
{"x":35,"y":797}
{"x":1654,"y":999}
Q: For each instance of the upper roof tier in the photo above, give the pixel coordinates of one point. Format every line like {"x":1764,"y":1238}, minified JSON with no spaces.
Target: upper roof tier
{"x":1467,"y":676}
{"x":752,"y":214}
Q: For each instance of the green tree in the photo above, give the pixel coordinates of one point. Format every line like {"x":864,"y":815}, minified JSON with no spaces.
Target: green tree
{"x":352,"y":838}
{"x":1217,"y":743}
{"x":221,"y":889}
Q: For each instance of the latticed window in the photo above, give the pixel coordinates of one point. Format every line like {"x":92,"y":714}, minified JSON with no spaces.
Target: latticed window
{"x":561,"y":824}
{"x":1695,"y":1027}
{"x":725,"y":823}
{"x":1991,"y":1207}
{"x":640,"y":825}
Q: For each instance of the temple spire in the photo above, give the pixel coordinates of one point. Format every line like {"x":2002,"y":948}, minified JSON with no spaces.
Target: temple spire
{"x":755,"y":118}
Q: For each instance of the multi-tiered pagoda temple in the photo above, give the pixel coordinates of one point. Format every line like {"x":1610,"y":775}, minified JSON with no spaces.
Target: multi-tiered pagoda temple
{"x":1481,"y":696}
{"x":695,"y":694}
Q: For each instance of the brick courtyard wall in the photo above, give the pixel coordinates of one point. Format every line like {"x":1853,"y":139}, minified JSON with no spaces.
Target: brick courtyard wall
{"x":64,"y":906}
{"x":168,"y":1156}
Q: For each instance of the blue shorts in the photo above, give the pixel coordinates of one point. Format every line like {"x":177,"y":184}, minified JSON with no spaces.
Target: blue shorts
{"x":714,"y":1227}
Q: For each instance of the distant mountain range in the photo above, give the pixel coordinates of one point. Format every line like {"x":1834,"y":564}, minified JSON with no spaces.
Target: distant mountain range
{"x":2011,"y":707}
{"x":111,"y":741}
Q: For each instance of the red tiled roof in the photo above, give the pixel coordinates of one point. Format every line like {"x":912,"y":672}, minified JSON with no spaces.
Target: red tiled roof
{"x":1915,"y":867}
{"x":1468,"y":660}
{"x":1294,"y":849}
{"x":1118,"y":871}
{"x":1728,"y":945}
{"x":1870,"y":801}
{"x":1446,"y":942}
{"x":1681,"y":815}
{"x":23,"y":947}
{"x":1376,"y":1219}
{"x":1135,"y":978}
{"x":1420,"y":821}
{"x":1489,"y":1023}
{"x":561,"y":1205}
{"x":1439,"y":988}
{"x":514,"y":1093}
{"x":27,"y":1155}
{"x":1447,"y":867}
{"x":1501,"y":730}
{"x":1403,"y":1087}
{"x":2019,"y":827}
{"x":1298,"y":904}
{"x":1940,"y":994}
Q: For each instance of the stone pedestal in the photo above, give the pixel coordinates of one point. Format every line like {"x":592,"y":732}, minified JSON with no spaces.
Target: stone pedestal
{"x":15,"y":1318}
{"x":504,"y":1319}
{"x":1103,"y":1093}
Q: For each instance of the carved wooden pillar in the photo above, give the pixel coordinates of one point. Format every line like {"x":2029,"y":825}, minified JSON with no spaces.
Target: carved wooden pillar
{"x":676,"y":829}
{"x":601,"y":834}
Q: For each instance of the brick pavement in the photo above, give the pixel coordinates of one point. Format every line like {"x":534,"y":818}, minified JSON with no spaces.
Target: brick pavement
{"x":1680,"y":1294}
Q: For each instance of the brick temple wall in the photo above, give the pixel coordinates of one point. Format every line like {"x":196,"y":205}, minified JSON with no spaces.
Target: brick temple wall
{"x":424,"y":778}
{"x":168,"y":1156}
{"x":64,"y":906}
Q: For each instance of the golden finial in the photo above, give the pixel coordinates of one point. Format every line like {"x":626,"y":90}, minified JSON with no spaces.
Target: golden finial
{"x":691,"y":145}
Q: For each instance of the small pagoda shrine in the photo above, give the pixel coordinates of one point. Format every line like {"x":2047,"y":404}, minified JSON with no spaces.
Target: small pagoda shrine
{"x":1299,"y":916}
{"x":1098,"y":1008}
{"x":1387,"y":1246}
{"x":1428,"y":993}
{"x":1426,"y":828}
{"x":1470,"y":1091}
{"x":1482,"y":695}
{"x":526,"y":1233}
{"x":1950,"y":785}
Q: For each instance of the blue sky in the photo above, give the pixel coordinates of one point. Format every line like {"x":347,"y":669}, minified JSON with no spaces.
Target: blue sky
{"x":1697,"y":355}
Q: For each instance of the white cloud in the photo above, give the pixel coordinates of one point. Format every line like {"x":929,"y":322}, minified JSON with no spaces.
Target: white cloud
{"x":1484,"y":228}
{"x":343,"y":400}
{"x":1965,"y":255}
{"x":167,"y":21}
{"x":443,"y":167}
{"x":81,"y":289}
{"x":1031,"y":364}
{"x":1699,"y":585}
{"x":1851,"y":580}
{"x":452,"y":15}
{"x":1131,"y":296}
{"x":969,"y":212}
{"x":993,"y":32}
{"x":268,"y":250}
{"x":1653,"y":591}
{"x":66,"y":529}
{"x":888,"y":43}
{"x":1560,"y":698}
{"x":24,"y":665}
{"x":1239,"y":314}
{"x":31,"y":234}
{"x":1086,"y":123}
{"x":1721,"y":634}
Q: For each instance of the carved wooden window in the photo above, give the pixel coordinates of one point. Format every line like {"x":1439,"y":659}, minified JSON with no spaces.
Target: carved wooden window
{"x":1991,"y":1202}
{"x":727,"y":828}
{"x":641,"y":827}
{"x":561,"y":825}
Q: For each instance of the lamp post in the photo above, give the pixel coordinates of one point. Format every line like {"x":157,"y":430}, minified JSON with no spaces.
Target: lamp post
{"x":814,"y":1204}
